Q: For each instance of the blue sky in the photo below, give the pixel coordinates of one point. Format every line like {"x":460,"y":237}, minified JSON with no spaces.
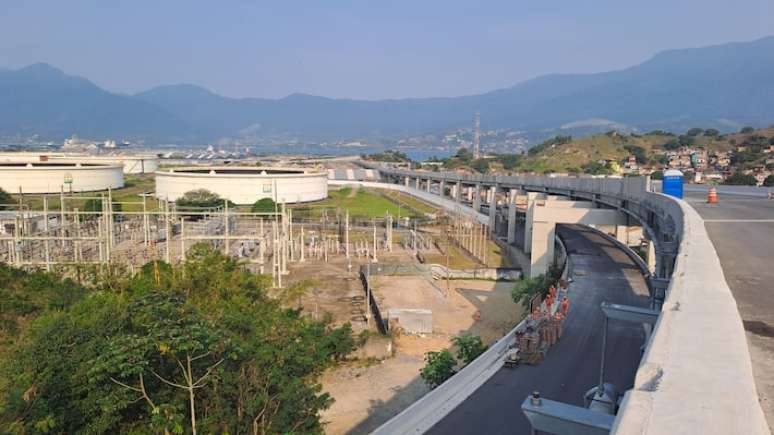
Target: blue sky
{"x":359,"y":49}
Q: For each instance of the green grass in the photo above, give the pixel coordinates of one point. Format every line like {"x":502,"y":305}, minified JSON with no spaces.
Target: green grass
{"x":409,"y":201}
{"x":360,"y":203}
{"x":133,"y":186}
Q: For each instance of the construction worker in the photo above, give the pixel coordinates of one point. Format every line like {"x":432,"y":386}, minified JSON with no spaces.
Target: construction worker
{"x":552,"y":292}
{"x":565,"y":306}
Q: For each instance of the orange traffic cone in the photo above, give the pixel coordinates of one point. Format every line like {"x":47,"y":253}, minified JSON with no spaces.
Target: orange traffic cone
{"x":712,"y":195}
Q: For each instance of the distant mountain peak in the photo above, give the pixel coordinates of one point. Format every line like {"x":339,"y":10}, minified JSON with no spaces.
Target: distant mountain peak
{"x":42,"y":69}
{"x":675,"y":90}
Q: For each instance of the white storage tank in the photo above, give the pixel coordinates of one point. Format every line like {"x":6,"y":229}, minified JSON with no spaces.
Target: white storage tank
{"x":245,"y":184}
{"x":53,"y":177}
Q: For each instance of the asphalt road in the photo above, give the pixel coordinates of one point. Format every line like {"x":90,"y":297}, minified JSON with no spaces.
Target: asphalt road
{"x":742,"y":230}
{"x":601,"y":272}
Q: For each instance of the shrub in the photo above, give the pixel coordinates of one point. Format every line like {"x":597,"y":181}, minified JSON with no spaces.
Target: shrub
{"x":439,"y":366}
{"x":469,"y":347}
{"x":264,"y":205}
{"x":201,"y":198}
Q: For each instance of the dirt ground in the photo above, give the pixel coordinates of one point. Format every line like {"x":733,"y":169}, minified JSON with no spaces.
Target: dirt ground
{"x":368,"y":395}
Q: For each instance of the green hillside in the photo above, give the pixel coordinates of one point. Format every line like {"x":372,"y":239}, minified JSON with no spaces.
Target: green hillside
{"x":565,"y":154}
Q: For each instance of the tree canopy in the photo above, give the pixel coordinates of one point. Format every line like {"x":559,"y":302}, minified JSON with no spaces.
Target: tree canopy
{"x":201,"y":198}
{"x":193,"y":348}
{"x":264,"y":205}
{"x":5,"y":199}
{"x":739,"y":179}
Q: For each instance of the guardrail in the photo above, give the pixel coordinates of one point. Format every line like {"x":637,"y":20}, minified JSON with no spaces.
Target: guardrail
{"x":696,"y":374}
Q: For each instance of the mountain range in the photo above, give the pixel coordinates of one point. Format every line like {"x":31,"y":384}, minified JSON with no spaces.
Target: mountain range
{"x":723,"y":86}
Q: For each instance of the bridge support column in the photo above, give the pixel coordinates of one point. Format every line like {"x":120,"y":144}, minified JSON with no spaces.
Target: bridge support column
{"x":416,"y":183}
{"x":493,"y":210}
{"x":531,"y":198}
{"x":442,"y":188}
{"x":406,"y":181}
{"x":477,"y":198}
{"x":650,"y":256}
{"x":511,"y":219}
{"x":429,"y":185}
{"x":458,"y":192}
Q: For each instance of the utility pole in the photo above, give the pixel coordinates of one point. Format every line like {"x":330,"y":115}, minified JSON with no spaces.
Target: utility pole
{"x":448,"y":247}
{"x":477,"y":137}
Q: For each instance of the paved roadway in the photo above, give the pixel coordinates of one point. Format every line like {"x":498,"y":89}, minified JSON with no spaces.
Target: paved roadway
{"x":601,"y":272}
{"x":742,"y":229}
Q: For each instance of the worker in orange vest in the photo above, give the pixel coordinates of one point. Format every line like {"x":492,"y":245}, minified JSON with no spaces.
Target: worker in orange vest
{"x":565,"y":306}
{"x":552,"y":292}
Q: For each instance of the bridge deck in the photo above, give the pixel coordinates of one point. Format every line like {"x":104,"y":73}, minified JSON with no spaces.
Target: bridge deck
{"x":601,"y":272}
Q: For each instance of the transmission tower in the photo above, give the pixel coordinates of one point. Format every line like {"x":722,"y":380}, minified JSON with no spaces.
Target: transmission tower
{"x":477,"y":137}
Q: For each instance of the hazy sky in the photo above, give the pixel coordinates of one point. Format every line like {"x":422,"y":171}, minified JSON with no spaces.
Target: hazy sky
{"x":359,"y":48}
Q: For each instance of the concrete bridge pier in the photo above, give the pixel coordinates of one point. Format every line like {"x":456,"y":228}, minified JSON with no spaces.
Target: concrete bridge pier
{"x":492,"y":197}
{"x":477,"y":197}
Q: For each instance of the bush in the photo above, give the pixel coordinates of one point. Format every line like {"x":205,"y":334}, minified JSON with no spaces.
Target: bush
{"x":469,"y":347}
{"x":739,"y":179}
{"x":526,"y":289}
{"x":657,"y":175}
{"x":769,"y":181}
{"x":6,"y":200}
{"x":439,"y":366}
{"x":264,"y":205}
{"x":201,"y":198}
{"x":711,"y":132}
{"x":746,"y":130}
{"x":480,"y":166}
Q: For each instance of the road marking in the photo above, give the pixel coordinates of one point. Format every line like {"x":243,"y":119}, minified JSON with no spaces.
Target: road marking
{"x":738,"y":220}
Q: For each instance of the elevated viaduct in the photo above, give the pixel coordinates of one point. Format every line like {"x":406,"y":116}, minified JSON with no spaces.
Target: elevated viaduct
{"x":695,"y":374}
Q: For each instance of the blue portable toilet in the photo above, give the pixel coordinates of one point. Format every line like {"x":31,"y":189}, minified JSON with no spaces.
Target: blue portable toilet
{"x":673,"y":183}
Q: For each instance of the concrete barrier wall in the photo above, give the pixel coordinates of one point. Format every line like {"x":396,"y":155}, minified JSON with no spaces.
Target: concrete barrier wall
{"x":695,"y":375}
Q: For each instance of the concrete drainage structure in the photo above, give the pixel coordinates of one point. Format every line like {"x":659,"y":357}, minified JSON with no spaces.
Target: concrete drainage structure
{"x":245,"y":184}
{"x":55,"y":177}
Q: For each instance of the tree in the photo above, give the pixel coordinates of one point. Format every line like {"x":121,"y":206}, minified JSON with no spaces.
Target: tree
{"x":671,"y":145}
{"x":711,"y":132}
{"x":746,"y":130}
{"x":469,"y":347}
{"x":694,"y":131}
{"x":264,"y":205}
{"x":200,"y":198}
{"x":769,"y":181}
{"x":197,"y":348}
{"x":509,"y":161}
{"x":95,"y":206}
{"x":638,"y":151}
{"x":596,"y":168}
{"x":686,"y":140}
{"x":481,"y":166}
{"x":739,"y":179}
{"x":5,"y":200}
{"x":464,"y":154}
{"x":657,"y":175}
{"x":527,"y":289}
{"x":439,"y":366}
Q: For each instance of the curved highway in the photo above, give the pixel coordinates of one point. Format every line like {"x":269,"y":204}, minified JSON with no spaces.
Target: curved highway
{"x":601,"y":272}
